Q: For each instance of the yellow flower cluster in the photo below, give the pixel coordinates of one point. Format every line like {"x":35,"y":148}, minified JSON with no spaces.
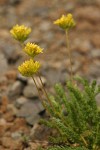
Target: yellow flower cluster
{"x":65,"y":22}
{"x":29,"y":68}
{"x":32,"y":49}
{"x":20,"y":33}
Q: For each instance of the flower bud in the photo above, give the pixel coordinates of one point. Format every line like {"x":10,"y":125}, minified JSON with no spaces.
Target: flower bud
{"x":32,"y":49}
{"x":20,"y":33}
{"x":65,"y":22}
{"x":29,"y":68}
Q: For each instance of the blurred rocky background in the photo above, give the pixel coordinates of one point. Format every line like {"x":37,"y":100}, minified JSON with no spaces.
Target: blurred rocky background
{"x":20,"y":107}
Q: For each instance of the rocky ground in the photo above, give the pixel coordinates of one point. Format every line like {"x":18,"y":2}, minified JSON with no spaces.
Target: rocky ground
{"x":20,"y":107}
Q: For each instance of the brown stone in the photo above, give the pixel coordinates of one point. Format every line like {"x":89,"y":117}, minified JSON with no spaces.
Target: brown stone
{"x":85,"y":14}
{"x":2,"y":130}
{"x":4,"y":103}
{"x":7,"y":142}
{"x":9,"y":116}
{"x":2,"y":2}
{"x":20,"y":125}
{"x":11,"y":75}
{"x":96,"y":40}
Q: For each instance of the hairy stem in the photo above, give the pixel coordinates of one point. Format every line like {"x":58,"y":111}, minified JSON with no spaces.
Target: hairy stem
{"x":44,"y":90}
{"x":70,"y":57}
{"x":38,"y":91}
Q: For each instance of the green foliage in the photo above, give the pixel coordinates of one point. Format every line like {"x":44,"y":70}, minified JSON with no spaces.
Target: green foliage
{"x":65,"y":148}
{"x":75,"y":116}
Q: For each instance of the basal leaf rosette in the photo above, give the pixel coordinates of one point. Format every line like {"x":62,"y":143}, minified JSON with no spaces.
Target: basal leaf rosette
{"x":29,"y":68}
{"x":20,"y":32}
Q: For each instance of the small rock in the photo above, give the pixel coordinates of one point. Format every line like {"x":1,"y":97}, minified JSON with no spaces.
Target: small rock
{"x":4,"y":104}
{"x":15,"y":90}
{"x":9,"y":116}
{"x":20,"y":125}
{"x":86,"y":2}
{"x":45,"y":26}
{"x":8,"y":142}
{"x":20,"y":101}
{"x":30,"y":110}
{"x":76,"y":66}
{"x":2,"y":129}
{"x":86,"y":14}
{"x":10,"y":50}
{"x":96,"y":40}
{"x":14,"y":2}
{"x":22,"y":78}
{"x":11,"y":107}
{"x":85,"y":46}
{"x":2,"y":2}
{"x":94,"y":71}
{"x":95,"y":53}
{"x":41,"y":11}
{"x":39,"y":132}
{"x":11,"y":144}
{"x":48,"y":37}
{"x":64,"y":77}
{"x":38,"y":82}
{"x":3,"y":80}
{"x":69,"y":7}
{"x":56,"y":65}
{"x":31,"y":120}
{"x":12,"y":18}
{"x":3,"y":64}
{"x":98,"y":2}
{"x":30,"y":91}
{"x":82,"y":45}
{"x":33,"y":130}
{"x":2,"y":121}
{"x":53,"y":75}
{"x":11,"y":75}
{"x":16,"y":135}
{"x":33,"y":107}
{"x":9,"y":2}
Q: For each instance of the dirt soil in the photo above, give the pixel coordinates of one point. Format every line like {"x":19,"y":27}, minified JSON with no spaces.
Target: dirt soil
{"x":20,"y":107}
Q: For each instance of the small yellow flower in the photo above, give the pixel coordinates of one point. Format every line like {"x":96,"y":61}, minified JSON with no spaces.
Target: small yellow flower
{"x":20,"y":33}
{"x":29,"y":67}
{"x":65,"y":22}
{"x":32,"y":49}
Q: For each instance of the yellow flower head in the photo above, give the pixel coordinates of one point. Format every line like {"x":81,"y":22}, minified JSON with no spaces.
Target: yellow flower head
{"x":32,"y":49}
{"x":29,"y":67}
{"x":65,"y":22}
{"x":20,"y":33}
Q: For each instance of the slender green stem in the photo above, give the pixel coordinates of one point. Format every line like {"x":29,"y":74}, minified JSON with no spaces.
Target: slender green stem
{"x":94,"y":145}
{"x":85,"y":142}
{"x":22,"y":45}
{"x":44,"y":90}
{"x":70,"y":57}
{"x":40,"y":96}
{"x":37,"y":88}
{"x":38,"y":91}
